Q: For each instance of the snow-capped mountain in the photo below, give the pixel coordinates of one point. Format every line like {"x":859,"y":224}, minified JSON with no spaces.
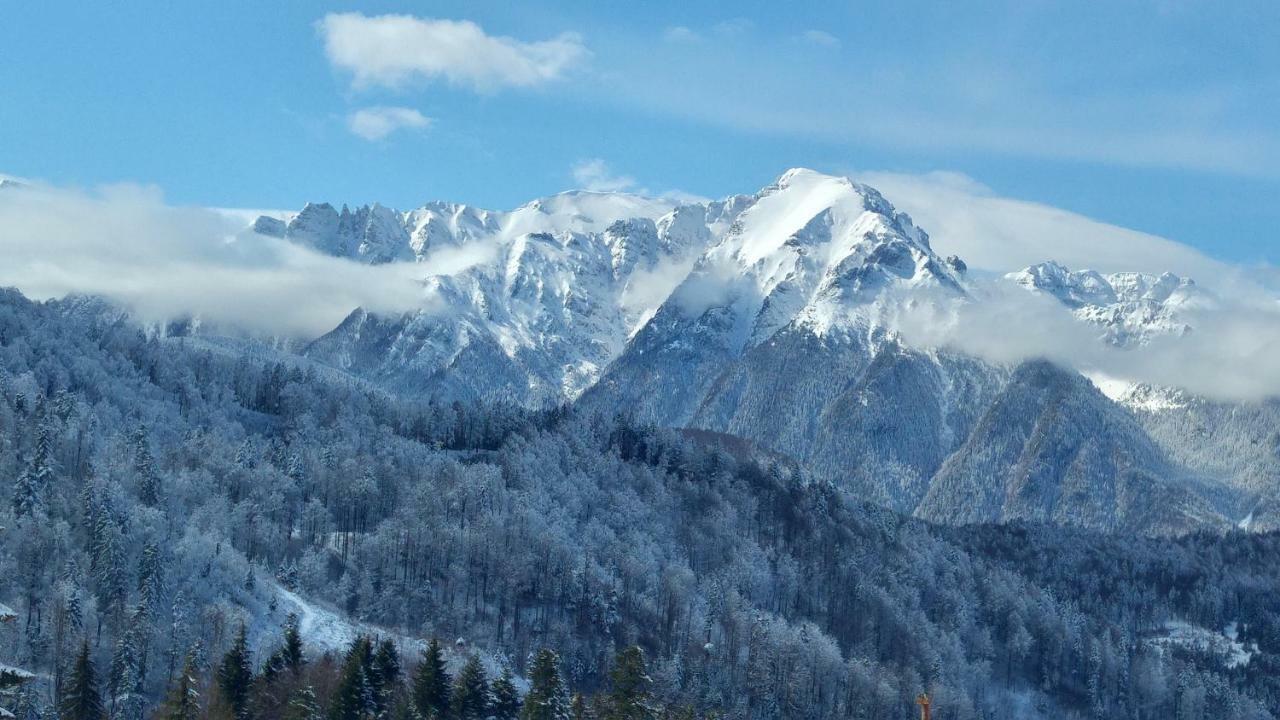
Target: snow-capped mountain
{"x":1130,"y":308}
{"x":770,"y":317}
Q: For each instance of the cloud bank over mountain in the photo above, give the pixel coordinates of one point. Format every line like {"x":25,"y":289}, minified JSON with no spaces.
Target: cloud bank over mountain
{"x":163,"y":262}
{"x":124,"y":243}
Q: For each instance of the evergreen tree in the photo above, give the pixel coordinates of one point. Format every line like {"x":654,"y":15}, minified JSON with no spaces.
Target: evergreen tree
{"x":469,"y":699}
{"x":144,"y":467}
{"x":548,"y":699}
{"x":386,"y":672}
{"x":183,"y":702}
{"x":235,"y":676}
{"x":506,"y":699}
{"x":354,"y":698}
{"x":80,"y":698}
{"x":291,"y":653}
{"x":629,"y":699}
{"x":431,"y":684}
{"x":578,"y":708}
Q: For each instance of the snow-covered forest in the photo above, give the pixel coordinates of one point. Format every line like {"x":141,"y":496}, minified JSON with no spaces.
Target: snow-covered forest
{"x":161,"y":493}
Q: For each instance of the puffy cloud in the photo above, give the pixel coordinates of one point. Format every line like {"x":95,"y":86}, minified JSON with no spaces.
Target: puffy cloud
{"x":393,"y":50}
{"x":376,"y":123}
{"x":125,"y":244}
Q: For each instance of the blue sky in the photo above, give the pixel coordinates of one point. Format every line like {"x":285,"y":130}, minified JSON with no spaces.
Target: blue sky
{"x":1160,"y":116}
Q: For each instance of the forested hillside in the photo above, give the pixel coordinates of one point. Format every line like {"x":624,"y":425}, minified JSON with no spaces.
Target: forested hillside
{"x":163,"y":492}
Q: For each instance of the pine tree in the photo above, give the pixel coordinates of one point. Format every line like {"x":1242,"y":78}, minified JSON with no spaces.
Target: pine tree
{"x":150,"y":576}
{"x":354,"y":698}
{"x":386,"y":672}
{"x":578,"y":708}
{"x":629,"y":699}
{"x":469,"y":699}
{"x":80,"y":697}
{"x":548,"y":699}
{"x":431,"y":684}
{"x":506,"y":699}
{"x":235,"y":675}
{"x":183,"y":702}
{"x":144,"y":467}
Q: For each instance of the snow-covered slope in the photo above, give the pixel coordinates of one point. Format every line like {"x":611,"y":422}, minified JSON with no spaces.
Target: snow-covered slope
{"x":1130,"y":308}
{"x":770,"y":317}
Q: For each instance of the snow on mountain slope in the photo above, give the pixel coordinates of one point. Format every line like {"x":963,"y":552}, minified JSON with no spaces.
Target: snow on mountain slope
{"x":770,"y":317}
{"x":527,"y":305}
{"x":1236,"y":442}
{"x":1130,"y":308}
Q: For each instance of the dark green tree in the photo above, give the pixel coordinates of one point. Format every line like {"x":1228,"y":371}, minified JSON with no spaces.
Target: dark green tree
{"x":183,"y":702}
{"x":506,"y":699}
{"x":386,"y":673}
{"x":469,"y":699}
{"x":548,"y":699}
{"x":80,"y":697}
{"x":355,"y":697}
{"x":235,"y":675}
{"x":431,"y":684}
{"x":629,"y":699}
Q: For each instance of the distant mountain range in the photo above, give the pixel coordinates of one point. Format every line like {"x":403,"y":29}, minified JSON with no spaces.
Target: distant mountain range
{"x":770,"y":317}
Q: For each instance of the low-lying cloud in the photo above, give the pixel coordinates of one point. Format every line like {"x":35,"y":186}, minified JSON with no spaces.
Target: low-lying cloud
{"x":161,"y":262}
{"x":1001,"y":234}
{"x":1229,"y":355}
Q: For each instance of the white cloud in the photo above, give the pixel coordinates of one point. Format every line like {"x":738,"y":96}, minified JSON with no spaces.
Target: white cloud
{"x":375,"y":123}
{"x":820,"y":37}
{"x":125,"y":244}
{"x":680,"y":34}
{"x":733,"y":27}
{"x":1230,"y":354}
{"x":393,"y":50}
{"x":594,"y":174}
{"x":1002,"y":234}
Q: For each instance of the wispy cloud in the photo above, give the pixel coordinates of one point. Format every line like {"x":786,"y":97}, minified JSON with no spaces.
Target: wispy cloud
{"x":950,"y":97}
{"x":821,"y":38}
{"x":594,"y":174}
{"x":1001,"y":234}
{"x":680,"y":34}
{"x":376,"y":123}
{"x":394,"y":50}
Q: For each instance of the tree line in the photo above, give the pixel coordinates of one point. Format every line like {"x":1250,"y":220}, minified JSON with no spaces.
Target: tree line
{"x":370,"y":681}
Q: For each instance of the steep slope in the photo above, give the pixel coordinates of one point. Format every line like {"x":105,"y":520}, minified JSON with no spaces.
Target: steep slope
{"x":1234,"y":442}
{"x":546,"y":296}
{"x":770,"y":317}
{"x":1051,"y":447}
{"x":1129,"y":308}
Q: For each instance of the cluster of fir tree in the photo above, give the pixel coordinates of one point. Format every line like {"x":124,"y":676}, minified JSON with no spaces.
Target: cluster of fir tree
{"x":370,"y":682}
